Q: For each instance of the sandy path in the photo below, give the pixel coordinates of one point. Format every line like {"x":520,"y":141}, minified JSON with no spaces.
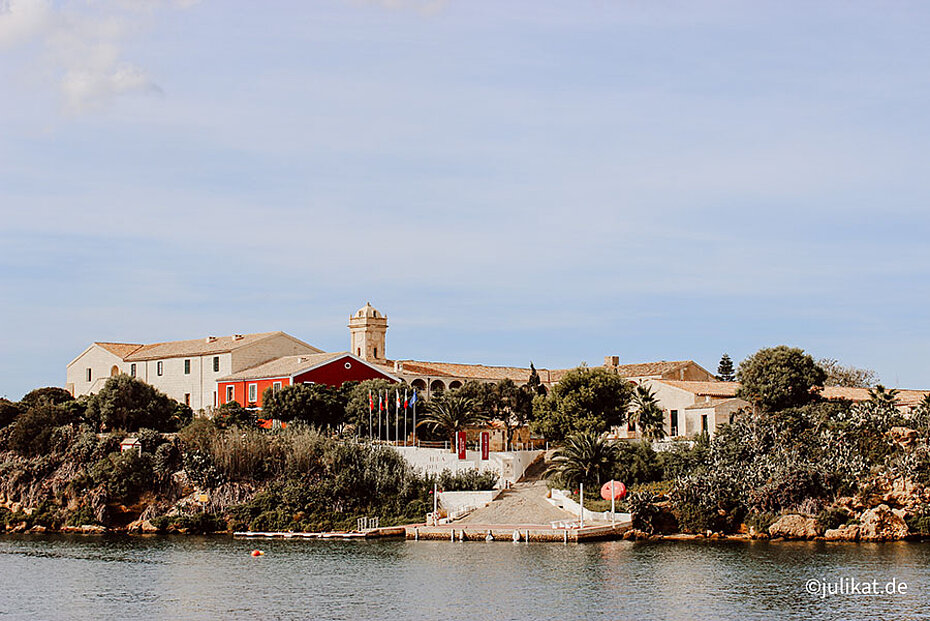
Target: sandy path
{"x":524,"y":503}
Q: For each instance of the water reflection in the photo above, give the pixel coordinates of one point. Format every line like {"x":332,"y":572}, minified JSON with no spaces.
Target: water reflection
{"x":54,"y":577}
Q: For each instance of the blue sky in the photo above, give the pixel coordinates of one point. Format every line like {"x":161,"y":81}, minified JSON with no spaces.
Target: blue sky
{"x":546,"y":181}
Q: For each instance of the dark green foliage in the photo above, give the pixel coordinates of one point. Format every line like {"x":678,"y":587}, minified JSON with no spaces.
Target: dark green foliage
{"x":646,"y":413}
{"x":585,"y":400}
{"x":779,"y":377}
{"x":534,"y":384}
{"x":9,"y":411}
{"x":452,"y":412}
{"x":51,"y":395}
{"x":195,"y":524}
{"x":166,"y":460}
{"x":584,"y":458}
{"x":760,"y":520}
{"x":642,"y":510}
{"x":831,"y":518}
{"x":231,"y":414}
{"x":725,"y":370}
{"x":125,"y":475}
{"x":150,"y":440}
{"x":357,"y":408}
{"x":128,"y":403}
{"x":314,"y":404}
{"x":34,"y":432}
{"x":464,"y":480}
{"x":637,"y":463}
{"x":201,"y":470}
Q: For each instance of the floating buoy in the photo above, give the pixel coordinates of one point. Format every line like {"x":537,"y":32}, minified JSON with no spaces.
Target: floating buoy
{"x":257,"y":553}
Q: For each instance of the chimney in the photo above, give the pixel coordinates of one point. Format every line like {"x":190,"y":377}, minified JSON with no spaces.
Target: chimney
{"x":210,"y":339}
{"x":398,"y":366}
{"x":612,"y":361}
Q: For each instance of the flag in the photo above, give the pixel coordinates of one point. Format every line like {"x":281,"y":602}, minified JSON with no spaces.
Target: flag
{"x":371,"y":402}
{"x":380,"y":404}
{"x":397,"y":403}
{"x":406,"y":400}
{"x":413,"y":399}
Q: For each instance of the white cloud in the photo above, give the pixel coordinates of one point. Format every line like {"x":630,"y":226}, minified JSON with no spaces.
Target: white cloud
{"x":82,"y":45}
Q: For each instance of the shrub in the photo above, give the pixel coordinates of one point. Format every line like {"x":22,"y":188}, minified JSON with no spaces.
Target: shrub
{"x":831,"y":518}
{"x":760,"y":520}
{"x":201,"y":470}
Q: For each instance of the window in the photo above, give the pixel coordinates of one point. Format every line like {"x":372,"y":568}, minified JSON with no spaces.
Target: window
{"x":253,"y":393}
{"x":631,"y":425}
{"x":187,"y":399}
{"x":214,"y":398}
{"x":216,"y":364}
{"x":704,"y":428}
{"x":89,"y":374}
{"x":674,"y":422}
{"x":230,"y":393}
{"x":359,"y":349}
{"x":160,"y":368}
{"x":132,"y":370}
{"x":376,"y":352}
{"x":187,"y":367}
{"x":276,"y":386}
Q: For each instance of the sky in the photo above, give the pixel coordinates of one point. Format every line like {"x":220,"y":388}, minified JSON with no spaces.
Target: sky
{"x":537,"y":180}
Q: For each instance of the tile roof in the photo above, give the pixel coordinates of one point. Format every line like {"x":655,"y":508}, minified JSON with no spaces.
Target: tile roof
{"x":120,"y":349}
{"x":906,"y":398}
{"x":709,"y":389}
{"x":468,"y":371}
{"x":200,"y":347}
{"x":285,"y":366}
{"x":713,"y":403}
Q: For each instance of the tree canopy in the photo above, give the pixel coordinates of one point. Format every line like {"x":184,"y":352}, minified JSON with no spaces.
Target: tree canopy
{"x":585,"y":400}
{"x":127,"y":403}
{"x":315,"y":404}
{"x":725,"y":370}
{"x":842,"y":375}
{"x":779,"y":377}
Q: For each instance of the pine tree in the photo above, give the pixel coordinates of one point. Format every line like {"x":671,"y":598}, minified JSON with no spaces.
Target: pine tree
{"x":534,"y":383}
{"x":725,"y":372}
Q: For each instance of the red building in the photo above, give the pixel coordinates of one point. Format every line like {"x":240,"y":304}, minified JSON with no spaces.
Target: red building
{"x":333,"y":369}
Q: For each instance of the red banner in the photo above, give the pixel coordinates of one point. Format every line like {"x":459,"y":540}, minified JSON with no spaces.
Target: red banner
{"x":460,"y":444}
{"x":485,"y":445}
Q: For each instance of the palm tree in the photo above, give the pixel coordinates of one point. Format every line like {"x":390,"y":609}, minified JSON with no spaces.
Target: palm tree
{"x":451,"y":413}
{"x":884,"y":398}
{"x":647,"y":414}
{"x":585,"y":457}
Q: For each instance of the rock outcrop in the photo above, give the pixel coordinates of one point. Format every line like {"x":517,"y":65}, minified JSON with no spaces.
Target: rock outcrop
{"x":794,"y":526}
{"x":882,"y":523}
{"x":849,"y":532}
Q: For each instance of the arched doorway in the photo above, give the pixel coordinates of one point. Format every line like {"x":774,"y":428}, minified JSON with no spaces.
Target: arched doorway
{"x":455,"y":384}
{"x":419,"y":384}
{"x":437,"y":386}
{"x":114,"y":371}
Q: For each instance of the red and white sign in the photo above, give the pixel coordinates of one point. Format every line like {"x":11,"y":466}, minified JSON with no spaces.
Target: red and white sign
{"x":460,"y":444}
{"x":485,"y":445}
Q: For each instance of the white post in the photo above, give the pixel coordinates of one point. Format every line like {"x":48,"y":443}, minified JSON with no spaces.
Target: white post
{"x":613,"y":509}
{"x":435,"y":503}
{"x":582,"y":504}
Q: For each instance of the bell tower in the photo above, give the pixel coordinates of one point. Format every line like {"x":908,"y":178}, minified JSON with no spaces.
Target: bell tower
{"x":368,"y":328}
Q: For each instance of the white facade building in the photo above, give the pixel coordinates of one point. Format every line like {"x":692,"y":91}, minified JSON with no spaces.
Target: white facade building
{"x":186,"y":371}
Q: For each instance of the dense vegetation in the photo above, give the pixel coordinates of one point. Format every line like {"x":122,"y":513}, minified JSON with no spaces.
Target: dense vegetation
{"x":60,"y":466}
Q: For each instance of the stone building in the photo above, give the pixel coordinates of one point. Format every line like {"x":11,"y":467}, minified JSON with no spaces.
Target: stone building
{"x":368,"y":328}
{"x":186,"y":371}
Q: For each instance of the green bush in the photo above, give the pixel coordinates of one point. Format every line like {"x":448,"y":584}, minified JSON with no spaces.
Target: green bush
{"x":125,"y":475}
{"x":831,"y":518}
{"x":760,"y":520}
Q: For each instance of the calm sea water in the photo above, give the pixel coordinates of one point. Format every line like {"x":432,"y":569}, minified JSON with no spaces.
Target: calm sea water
{"x":73,"y":577}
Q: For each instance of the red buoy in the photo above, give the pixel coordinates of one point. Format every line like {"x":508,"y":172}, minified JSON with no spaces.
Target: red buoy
{"x":257,"y":553}
{"x":613,"y":490}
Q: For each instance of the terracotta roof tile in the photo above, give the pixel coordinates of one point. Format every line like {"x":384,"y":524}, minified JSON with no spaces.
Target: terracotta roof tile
{"x":198,"y":347}
{"x":708,"y":389}
{"x":120,"y":349}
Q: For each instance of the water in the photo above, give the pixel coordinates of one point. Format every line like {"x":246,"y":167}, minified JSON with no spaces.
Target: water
{"x":74,"y":577}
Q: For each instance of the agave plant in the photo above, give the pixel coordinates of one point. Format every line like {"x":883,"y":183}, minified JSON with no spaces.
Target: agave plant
{"x":584,"y":458}
{"x":646,"y":413}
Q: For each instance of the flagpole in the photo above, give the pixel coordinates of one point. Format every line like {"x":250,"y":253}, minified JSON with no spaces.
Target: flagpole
{"x":405,"y":417}
{"x":414,"y":418}
{"x":396,"y":417}
{"x":371,"y":406}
